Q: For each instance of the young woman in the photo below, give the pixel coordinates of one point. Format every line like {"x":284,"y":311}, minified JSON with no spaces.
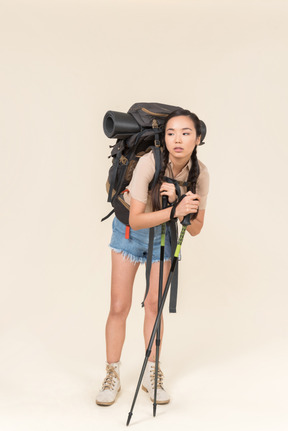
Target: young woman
{"x":182,"y":135}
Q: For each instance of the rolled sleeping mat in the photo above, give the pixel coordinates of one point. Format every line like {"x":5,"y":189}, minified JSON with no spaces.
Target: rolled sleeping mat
{"x":119,"y":125}
{"x":203,"y":132}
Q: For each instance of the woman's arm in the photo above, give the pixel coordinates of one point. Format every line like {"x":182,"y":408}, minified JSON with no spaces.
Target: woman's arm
{"x":138,"y":219}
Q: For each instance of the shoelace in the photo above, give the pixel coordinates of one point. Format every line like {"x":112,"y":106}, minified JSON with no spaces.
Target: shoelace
{"x":109,"y":381}
{"x":160,"y":378}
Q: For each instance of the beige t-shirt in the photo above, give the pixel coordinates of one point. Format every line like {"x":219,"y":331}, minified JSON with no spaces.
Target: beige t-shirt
{"x":144,"y":172}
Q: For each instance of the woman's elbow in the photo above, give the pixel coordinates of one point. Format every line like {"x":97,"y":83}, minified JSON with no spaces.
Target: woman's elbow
{"x":133,"y":223}
{"x":195,"y":230}
{"x":195,"y":233}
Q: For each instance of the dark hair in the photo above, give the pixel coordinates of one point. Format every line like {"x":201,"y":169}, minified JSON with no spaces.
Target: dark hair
{"x":194,"y":171}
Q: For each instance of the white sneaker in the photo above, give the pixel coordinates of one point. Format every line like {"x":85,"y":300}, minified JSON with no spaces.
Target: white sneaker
{"x":111,"y":385}
{"x":148,"y":384}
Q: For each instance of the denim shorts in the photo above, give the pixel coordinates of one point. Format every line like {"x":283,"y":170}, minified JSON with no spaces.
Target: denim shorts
{"x":136,"y":247}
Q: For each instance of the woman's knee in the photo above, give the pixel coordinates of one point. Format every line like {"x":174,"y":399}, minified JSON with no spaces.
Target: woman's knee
{"x":119,"y":310}
{"x":151,"y":305}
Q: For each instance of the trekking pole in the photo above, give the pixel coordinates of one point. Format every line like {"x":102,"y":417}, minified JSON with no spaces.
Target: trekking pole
{"x":185,"y":222}
{"x":158,"y":336}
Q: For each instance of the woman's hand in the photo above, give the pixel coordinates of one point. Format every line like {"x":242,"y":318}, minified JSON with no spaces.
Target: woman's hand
{"x":168,"y":189}
{"x":188,"y":205}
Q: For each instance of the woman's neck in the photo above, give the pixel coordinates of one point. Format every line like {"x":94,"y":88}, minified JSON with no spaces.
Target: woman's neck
{"x":178,"y":165}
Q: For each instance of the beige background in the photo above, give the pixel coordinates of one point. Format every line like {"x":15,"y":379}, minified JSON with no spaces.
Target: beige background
{"x":63,"y":65}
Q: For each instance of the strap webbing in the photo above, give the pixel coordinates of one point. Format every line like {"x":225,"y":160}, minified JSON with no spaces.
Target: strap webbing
{"x":174,"y":285}
{"x":149,"y":262}
{"x":108,"y":215}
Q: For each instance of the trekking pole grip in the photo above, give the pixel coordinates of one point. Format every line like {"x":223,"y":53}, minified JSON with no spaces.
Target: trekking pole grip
{"x":164,"y":202}
{"x":186,"y":220}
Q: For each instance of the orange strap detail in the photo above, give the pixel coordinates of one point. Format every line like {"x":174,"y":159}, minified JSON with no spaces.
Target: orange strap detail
{"x":127,"y":232}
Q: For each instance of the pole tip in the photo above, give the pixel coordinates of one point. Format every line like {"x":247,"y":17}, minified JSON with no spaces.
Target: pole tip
{"x":129,"y":418}
{"x":154,"y":409}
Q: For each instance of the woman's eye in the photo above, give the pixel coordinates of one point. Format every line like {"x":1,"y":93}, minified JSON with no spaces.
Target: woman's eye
{"x":186,"y":133}
{"x":169,"y":133}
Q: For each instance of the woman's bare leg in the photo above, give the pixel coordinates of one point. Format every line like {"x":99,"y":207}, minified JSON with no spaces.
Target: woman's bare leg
{"x":151,"y":304}
{"x":122,"y":279}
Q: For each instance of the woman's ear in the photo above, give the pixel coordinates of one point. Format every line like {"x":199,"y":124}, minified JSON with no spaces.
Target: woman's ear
{"x":198,"y":140}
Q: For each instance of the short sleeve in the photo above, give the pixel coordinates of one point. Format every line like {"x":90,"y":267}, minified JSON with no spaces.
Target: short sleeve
{"x":202,"y":186}
{"x":142,"y":176}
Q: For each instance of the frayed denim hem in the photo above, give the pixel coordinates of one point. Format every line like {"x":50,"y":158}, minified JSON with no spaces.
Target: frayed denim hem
{"x":158,"y":260}
{"x":129,"y":256}
{"x":135,"y":259}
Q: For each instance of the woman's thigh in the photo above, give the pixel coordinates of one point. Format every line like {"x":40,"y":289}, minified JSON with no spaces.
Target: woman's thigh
{"x":122,"y":279}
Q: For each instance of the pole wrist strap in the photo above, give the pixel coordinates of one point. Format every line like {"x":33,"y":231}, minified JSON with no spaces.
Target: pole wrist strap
{"x":173,"y":209}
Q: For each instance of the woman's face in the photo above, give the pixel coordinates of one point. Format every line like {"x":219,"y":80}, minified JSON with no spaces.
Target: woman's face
{"x":180,"y":138}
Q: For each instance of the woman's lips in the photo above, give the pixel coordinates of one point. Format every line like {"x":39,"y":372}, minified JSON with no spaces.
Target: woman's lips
{"x":178,"y":149}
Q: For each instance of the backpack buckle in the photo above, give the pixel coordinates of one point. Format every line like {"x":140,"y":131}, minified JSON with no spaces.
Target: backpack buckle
{"x":123,"y":160}
{"x":154,"y":124}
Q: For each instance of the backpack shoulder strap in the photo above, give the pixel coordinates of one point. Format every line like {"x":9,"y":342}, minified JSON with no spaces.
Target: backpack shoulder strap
{"x":113,"y":177}
{"x":157,"y":156}
{"x":176,"y":184}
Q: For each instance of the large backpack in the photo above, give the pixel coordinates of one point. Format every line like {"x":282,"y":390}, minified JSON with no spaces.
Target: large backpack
{"x":137,"y":133}
{"x":148,"y":118}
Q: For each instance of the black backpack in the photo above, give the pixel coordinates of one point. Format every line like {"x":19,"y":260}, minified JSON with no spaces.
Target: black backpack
{"x":137,"y":133}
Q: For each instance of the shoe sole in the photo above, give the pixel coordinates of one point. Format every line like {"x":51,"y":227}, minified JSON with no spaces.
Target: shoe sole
{"x":99,"y":403}
{"x":152,"y":399}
